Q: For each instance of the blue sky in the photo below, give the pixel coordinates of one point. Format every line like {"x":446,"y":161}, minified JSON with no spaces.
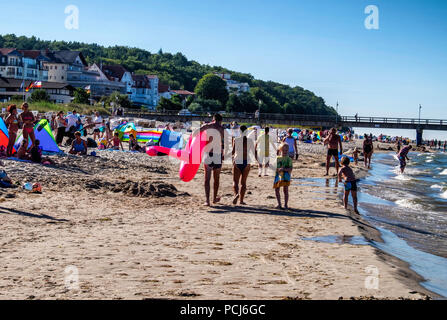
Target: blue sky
{"x":321,"y":45}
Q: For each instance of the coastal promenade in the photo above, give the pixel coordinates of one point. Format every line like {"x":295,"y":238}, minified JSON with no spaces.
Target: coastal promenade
{"x":304,"y":120}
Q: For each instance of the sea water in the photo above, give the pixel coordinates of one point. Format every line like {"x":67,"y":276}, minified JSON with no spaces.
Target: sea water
{"x":410,"y":211}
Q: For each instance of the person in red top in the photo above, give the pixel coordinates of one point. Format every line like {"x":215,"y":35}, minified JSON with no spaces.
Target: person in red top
{"x":12,"y":122}
{"x":27,"y":118}
{"x":117,"y":142}
{"x":347,"y":175}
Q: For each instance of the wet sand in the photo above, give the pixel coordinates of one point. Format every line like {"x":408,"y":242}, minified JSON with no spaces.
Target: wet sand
{"x":131,"y":230}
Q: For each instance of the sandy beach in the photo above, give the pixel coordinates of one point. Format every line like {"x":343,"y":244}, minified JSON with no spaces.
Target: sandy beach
{"x":131,"y":229}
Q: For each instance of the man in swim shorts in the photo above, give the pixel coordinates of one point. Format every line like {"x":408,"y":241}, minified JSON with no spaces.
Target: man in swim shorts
{"x":333,"y":141}
{"x":213,"y":157}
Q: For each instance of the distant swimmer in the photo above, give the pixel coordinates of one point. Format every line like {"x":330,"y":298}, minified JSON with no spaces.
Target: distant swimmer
{"x":403,"y":157}
{"x":333,"y":141}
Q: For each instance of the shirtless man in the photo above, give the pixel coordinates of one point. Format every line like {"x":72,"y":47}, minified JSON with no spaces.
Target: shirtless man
{"x":403,"y":157}
{"x":333,"y":141}
{"x":213,"y":157}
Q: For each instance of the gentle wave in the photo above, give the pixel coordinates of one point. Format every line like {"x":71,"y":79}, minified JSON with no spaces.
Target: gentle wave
{"x":402,"y":177}
{"x":407,"y":203}
{"x":444,"y":173}
{"x":437,"y":186}
{"x":444,"y":195}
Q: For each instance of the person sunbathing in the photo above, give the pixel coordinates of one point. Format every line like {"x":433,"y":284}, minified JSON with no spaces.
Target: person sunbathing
{"x":22,"y":153}
{"x":116,"y":142}
{"x":133,"y":144}
{"x":36,"y":155}
{"x":79,"y":146}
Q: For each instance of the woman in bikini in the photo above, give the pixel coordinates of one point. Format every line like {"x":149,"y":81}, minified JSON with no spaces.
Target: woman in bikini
{"x":243,"y":148}
{"x":12,"y":122}
{"x":28,"y":120}
{"x":368,"y":150}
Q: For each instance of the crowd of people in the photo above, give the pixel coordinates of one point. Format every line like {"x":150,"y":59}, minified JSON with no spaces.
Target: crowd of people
{"x":70,"y":130}
{"x":437,"y":144}
{"x":242,"y":150}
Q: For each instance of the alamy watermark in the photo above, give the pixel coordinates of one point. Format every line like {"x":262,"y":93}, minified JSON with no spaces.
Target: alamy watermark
{"x":372,"y":20}
{"x":372,"y":280}
{"x":71,"y":278}
{"x":72,"y":20}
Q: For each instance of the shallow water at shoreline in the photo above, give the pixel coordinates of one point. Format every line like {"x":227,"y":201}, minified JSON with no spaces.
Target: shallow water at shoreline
{"x":409,"y":210}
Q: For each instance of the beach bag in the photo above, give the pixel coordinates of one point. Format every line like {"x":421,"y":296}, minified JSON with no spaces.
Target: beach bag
{"x":91,"y":143}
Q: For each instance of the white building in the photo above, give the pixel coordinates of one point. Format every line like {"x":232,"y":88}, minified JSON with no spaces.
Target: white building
{"x":232,"y":85}
{"x":145,"y":90}
{"x":118,"y":73}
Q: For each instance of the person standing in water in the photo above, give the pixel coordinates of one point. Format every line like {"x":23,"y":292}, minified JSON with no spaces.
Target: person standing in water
{"x":347,"y":175}
{"x":368,"y":150}
{"x":403,"y":157}
{"x":213,"y":157}
{"x":333,"y":141}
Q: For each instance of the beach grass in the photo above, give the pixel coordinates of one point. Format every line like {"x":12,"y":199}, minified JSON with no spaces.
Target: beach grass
{"x":43,"y":107}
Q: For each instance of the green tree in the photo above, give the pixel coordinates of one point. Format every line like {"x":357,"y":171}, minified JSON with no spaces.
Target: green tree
{"x":40,"y":95}
{"x":268,"y":102}
{"x":211,"y":87}
{"x":119,"y":99}
{"x":169,"y":104}
{"x":242,"y":77}
{"x":180,"y":73}
{"x":234,"y":104}
{"x":196,"y":108}
{"x":210,"y":105}
{"x":248,"y":102}
{"x":81,"y":96}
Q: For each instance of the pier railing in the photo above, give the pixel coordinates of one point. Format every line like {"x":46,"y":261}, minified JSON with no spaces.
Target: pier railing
{"x":348,"y":120}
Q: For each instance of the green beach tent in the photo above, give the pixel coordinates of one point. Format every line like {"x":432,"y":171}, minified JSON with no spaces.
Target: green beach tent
{"x":43,"y":133}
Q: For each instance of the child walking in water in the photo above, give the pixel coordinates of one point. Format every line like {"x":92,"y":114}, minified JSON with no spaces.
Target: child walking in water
{"x":347,"y":175}
{"x":283,"y":175}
